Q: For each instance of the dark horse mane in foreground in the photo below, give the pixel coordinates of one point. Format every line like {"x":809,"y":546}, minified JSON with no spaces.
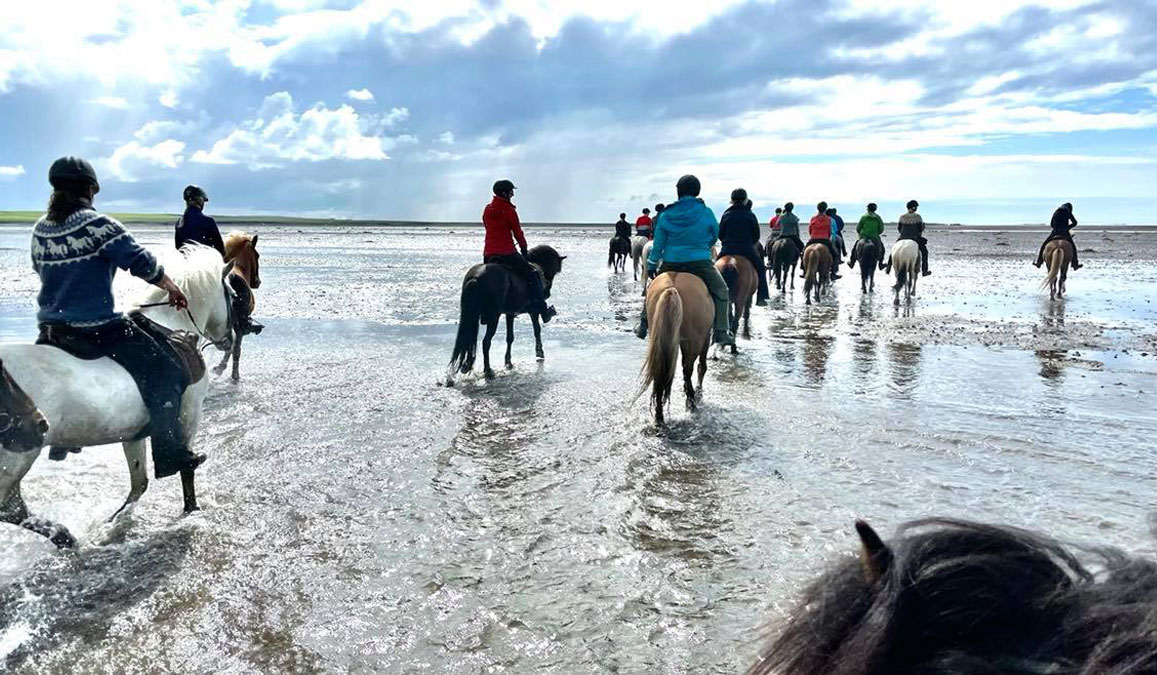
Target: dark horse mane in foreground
{"x":951,"y":596}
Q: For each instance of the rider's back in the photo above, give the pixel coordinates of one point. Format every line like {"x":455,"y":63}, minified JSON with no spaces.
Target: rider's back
{"x":911,"y":226}
{"x":685,"y":232}
{"x":789,"y":225}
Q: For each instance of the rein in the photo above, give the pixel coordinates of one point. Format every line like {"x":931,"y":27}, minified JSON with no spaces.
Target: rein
{"x":192,"y":320}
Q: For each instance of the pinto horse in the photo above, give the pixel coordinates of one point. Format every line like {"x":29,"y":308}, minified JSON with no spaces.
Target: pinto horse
{"x":1059,"y":256}
{"x":489,"y":291}
{"x":88,"y":403}
{"x":906,"y":260}
{"x":953,"y":596}
{"x":619,"y":250}
{"x":244,"y":277}
{"x":817,"y":269}
{"x":742,"y":282}
{"x":680,"y":313}
{"x":783,"y":256}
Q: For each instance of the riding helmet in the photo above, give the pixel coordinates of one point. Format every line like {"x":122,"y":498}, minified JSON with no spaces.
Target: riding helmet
{"x":872,"y":207}
{"x":503,"y":186}
{"x":913,"y":204}
{"x":72,"y":170}
{"x":739,"y":195}
{"x":192,"y":191}
{"x":688,"y":186}
{"x":646,"y":211}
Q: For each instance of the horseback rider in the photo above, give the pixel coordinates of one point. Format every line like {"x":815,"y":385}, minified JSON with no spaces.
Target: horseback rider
{"x":739,"y":233}
{"x":837,"y":230}
{"x":870,"y":227}
{"x":911,"y":226}
{"x":773,"y":226}
{"x":684,"y":235}
{"x":821,"y":230}
{"x":1062,"y":225}
{"x":501,"y":222}
{"x":789,"y":228}
{"x":194,"y":225}
{"x":76,"y":252}
{"x":644,"y":224}
{"x":623,"y":228}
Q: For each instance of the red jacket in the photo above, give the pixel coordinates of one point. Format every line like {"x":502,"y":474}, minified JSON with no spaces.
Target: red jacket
{"x":820,"y":227}
{"x":501,"y":221}
{"x":643,"y":223}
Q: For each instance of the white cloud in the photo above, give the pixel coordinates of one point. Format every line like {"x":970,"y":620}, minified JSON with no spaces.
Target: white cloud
{"x":360,"y":95}
{"x":446,"y":138}
{"x":114,"y":102}
{"x":169,"y":98}
{"x":134,"y":160}
{"x":10,"y":172}
{"x":279,"y":134}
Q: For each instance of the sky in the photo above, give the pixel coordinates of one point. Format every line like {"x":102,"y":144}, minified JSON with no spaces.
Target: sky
{"x":986,"y":111}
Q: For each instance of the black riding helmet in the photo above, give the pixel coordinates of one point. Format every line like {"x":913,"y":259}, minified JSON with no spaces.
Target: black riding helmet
{"x":913,"y":204}
{"x":192,"y":191}
{"x":503,"y":186}
{"x":739,"y":195}
{"x":71,"y":170}
{"x":688,"y":186}
{"x":646,"y":211}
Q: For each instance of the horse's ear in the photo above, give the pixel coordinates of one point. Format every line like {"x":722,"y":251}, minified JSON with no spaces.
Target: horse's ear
{"x":875,"y":556}
{"x":254,"y":240}
{"x":561,"y":258}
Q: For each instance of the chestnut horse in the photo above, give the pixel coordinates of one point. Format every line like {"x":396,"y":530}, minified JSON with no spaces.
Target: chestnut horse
{"x":1059,"y":256}
{"x":817,"y":269}
{"x":680,"y":313}
{"x":742,"y":282}
{"x":244,"y":277}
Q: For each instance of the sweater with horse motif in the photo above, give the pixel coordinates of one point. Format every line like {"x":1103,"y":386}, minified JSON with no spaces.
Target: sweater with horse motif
{"x":76,"y":260}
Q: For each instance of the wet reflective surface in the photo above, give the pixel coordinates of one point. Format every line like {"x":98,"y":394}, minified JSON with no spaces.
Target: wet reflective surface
{"x":361,"y":517}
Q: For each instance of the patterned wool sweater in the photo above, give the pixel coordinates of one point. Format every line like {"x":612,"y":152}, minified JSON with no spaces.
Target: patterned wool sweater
{"x":76,"y":261}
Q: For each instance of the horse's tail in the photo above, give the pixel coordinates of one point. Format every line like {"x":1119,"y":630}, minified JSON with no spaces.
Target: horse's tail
{"x":811,"y":266}
{"x":663,"y":347}
{"x":611,"y":254}
{"x":730,"y":274}
{"x":466,"y":344}
{"x":1056,"y":260}
{"x":901,"y":275}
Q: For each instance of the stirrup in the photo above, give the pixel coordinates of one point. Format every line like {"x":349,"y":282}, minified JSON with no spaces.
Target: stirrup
{"x":723,"y":337}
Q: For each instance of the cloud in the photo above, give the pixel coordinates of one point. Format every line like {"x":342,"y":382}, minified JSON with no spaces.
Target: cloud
{"x":114,"y":102}
{"x":169,"y":98}
{"x":446,"y":138}
{"x":11,"y":172}
{"x":280,"y":134}
{"x":360,"y":95}
{"x":134,"y":161}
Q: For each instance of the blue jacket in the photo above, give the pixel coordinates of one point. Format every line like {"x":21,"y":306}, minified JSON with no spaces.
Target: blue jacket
{"x":76,"y":261}
{"x":684,"y":232}
{"x":197,"y":227}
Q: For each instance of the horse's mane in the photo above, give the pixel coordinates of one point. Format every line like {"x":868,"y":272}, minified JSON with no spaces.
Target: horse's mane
{"x":195,"y":268}
{"x":951,"y":596}
{"x":233,"y":240}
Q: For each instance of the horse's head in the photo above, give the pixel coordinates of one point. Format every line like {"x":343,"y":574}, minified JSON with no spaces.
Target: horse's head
{"x":241,"y":250}
{"x":943,"y":597}
{"x":22,"y":426}
{"x":549,"y":260}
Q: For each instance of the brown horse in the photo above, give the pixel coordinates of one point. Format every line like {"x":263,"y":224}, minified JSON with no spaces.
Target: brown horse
{"x":680,"y":312}
{"x":1059,"y":256}
{"x":742,"y":281}
{"x":817,"y":269}
{"x":244,"y":276}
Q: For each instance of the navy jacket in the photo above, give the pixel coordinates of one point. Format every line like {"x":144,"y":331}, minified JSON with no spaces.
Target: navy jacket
{"x":738,"y":231}
{"x":197,"y":227}
{"x":1063,"y":221}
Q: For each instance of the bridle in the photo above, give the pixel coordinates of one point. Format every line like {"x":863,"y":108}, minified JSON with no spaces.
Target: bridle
{"x":224,"y":343}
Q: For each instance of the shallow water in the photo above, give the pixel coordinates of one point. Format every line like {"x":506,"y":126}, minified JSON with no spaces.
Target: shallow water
{"x":360,"y":517}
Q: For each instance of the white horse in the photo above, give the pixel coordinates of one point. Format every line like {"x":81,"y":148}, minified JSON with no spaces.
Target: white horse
{"x":906,"y":261}
{"x":638,"y":242}
{"x":89,"y":403}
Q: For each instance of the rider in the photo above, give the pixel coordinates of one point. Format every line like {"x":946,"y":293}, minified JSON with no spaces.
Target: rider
{"x":643,"y":224}
{"x":623,"y":228}
{"x":684,"y":235}
{"x":194,"y":225}
{"x":1062,"y":224}
{"x":789,"y":227}
{"x":820,"y":230}
{"x":837,"y":229}
{"x":870,"y":227}
{"x":911,"y":226}
{"x":76,"y":251}
{"x":773,"y":226}
{"x":501,"y":221}
{"x":739,"y":233}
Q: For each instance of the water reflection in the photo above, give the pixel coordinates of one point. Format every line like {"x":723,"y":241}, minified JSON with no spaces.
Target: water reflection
{"x":1052,"y":364}
{"x":676,"y":510}
{"x":905,"y":361}
{"x":816,"y":350}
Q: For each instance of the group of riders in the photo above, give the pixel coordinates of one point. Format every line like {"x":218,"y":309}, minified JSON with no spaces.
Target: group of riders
{"x":76,"y":252}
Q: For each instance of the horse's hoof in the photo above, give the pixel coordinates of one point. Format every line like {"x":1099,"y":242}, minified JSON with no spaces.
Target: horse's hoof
{"x":218,"y":371}
{"x":540,"y":355}
{"x":191,"y":508}
{"x":63,"y":539}
{"x":488,"y":374}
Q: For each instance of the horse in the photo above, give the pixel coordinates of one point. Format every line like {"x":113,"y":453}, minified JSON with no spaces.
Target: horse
{"x":867,"y":254}
{"x":618,"y":251}
{"x":488,"y":291}
{"x":88,"y":403}
{"x":1059,"y":256}
{"x":22,"y":425}
{"x":954,"y":596}
{"x":783,"y":255}
{"x":817,"y":266}
{"x":906,"y":260}
{"x":244,"y":277}
{"x":638,"y":243}
{"x":742,"y":282}
{"x":680,"y":312}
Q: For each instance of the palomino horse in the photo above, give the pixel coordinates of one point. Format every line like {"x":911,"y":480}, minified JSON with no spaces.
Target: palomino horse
{"x":680,"y":313}
{"x":488,"y":292}
{"x":96,"y":402}
{"x":953,"y":596}
{"x":1059,"y":256}
{"x":244,"y":278}
{"x":619,"y":250}
{"x":742,"y":282}
{"x":867,"y":254}
{"x":817,"y":269}
{"x":906,"y":260}
{"x":782,"y":258}
{"x":638,"y":242}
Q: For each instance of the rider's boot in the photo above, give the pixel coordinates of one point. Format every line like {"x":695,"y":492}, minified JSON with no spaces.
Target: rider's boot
{"x":243,"y":321}
{"x":924,"y":265}
{"x":762,"y":294}
{"x":641,"y":327}
{"x":722,"y":333}
{"x":724,"y":338}
{"x":170,"y":454}
{"x":538,"y":299}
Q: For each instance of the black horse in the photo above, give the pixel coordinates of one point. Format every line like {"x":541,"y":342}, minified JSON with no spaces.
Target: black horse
{"x":950,"y":596}
{"x":489,"y":291}
{"x":868,"y":255}
{"x":782,"y":258}
{"x":618,"y":251}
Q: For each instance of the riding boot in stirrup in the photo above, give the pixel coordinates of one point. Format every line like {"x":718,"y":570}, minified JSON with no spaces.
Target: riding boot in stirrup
{"x":538,"y":299}
{"x":724,"y":338}
{"x":641,"y":328}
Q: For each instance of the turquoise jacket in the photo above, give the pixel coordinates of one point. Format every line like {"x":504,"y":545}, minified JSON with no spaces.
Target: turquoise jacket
{"x":684,"y":232}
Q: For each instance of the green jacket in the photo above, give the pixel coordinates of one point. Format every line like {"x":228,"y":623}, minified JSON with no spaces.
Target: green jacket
{"x":871,"y":225}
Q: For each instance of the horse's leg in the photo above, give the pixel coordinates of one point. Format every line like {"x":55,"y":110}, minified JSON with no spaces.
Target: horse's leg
{"x":509,"y":338}
{"x":538,"y":353}
{"x":189,"y":487}
{"x":138,"y":476}
{"x":688,"y":371}
{"x":491,"y":329}
{"x":747,"y":319}
{"x":224,"y":362}
{"x":13,"y":467}
{"x":237,"y":357}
